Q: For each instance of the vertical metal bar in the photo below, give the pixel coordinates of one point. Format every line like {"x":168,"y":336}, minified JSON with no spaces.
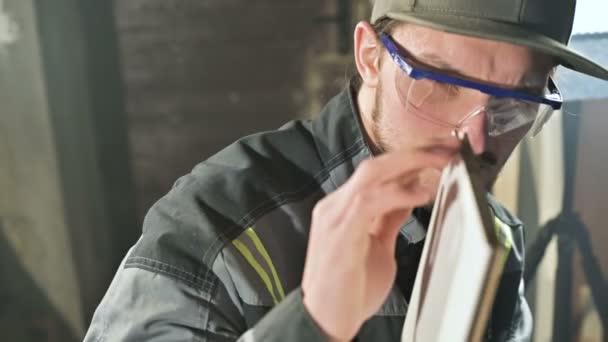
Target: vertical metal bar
{"x":562,"y":311}
{"x":593,"y":273}
{"x":80,"y":57}
{"x":562,"y":314}
{"x":571,"y":126}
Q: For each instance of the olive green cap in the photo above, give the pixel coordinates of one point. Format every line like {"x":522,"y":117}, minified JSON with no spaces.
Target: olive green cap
{"x":543,"y":25}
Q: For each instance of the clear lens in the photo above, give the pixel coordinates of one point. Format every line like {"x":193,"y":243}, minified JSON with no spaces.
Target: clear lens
{"x":429,"y":100}
{"x":452,"y":106}
{"x":543,"y":116}
{"x":510,"y":114}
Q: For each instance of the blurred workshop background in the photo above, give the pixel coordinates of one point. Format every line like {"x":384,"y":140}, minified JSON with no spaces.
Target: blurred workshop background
{"x":104,"y":104}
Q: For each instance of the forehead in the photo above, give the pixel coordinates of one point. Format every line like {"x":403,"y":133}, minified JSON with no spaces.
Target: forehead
{"x":482,"y":59}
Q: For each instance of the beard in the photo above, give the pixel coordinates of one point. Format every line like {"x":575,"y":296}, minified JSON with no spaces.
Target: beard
{"x":381,"y":143}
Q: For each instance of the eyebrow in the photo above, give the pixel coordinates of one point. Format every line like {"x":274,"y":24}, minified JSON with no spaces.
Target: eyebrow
{"x":440,"y":64}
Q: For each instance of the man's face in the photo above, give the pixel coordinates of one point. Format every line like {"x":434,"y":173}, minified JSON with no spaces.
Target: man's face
{"x":392,"y":126}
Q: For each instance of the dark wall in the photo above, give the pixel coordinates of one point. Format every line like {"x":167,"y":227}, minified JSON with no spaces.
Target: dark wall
{"x":200,"y":74}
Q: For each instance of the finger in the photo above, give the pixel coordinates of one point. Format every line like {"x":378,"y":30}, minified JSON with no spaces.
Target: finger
{"x":399,"y":164}
{"x":373,"y":203}
{"x":429,"y":178}
{"x":389,"y":226}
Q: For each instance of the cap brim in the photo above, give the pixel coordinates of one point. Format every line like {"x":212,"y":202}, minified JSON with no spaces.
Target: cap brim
{"x":502,"y":31}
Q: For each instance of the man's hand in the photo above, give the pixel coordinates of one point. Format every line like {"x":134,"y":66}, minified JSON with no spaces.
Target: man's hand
{"x":350,"y":264}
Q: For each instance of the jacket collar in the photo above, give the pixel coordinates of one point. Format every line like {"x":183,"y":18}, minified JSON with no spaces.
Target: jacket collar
{"x":339,"y":136}
{"x":340,"y":140}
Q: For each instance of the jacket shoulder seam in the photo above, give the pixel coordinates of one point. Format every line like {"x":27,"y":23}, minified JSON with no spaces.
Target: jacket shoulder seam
{"x":280,"y":199}
{"x":203,"y":283}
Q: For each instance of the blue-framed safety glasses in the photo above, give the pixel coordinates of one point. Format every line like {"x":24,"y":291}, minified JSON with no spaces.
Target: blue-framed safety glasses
{"x":434,"y":96}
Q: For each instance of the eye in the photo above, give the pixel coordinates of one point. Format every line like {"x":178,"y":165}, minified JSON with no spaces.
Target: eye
{"x":501,"y":105}
{"x":503,"y":112}
{"x":453,"y":90}
{"x":502,"y":120}
{"x":449,"y":90}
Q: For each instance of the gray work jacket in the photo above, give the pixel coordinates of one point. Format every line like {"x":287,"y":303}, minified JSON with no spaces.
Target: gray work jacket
{"x":221,"y":255}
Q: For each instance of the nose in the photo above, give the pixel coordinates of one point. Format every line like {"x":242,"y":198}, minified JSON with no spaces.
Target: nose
{"x":476,"y":129}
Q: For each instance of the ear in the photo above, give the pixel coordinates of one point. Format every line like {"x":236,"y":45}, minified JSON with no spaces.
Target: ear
{"x":367,"y":54}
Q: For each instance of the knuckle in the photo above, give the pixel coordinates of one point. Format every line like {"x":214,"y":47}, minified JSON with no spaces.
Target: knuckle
{"x":359,"y":200}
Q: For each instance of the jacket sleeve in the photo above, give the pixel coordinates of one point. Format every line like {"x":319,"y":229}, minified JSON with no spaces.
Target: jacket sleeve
{"x":141,"y":305}
{"x":511,"y":320}
{"x":521,"y":328}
